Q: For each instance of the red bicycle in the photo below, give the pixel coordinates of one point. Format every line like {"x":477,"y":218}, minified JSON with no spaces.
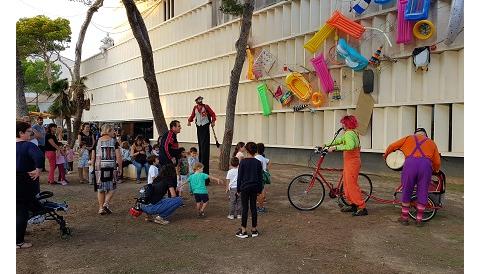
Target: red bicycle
{"x":307,"y":191}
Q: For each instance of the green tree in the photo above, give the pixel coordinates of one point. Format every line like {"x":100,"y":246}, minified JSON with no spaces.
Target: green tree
{"x":44,"y":38}
{"x":35,"y":79}
{"x":62,"y":106}
{"x":21,"y":106}
{"x":246,"y":10}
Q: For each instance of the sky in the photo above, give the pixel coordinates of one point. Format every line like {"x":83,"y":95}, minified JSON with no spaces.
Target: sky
{"x":111,"y":15}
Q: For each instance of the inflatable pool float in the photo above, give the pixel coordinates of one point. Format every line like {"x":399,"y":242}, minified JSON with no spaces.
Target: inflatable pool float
{"x":353,"y":59}
{"x":299,"y":85}
{"x":250,"y":75}
{"x":404,"y":27}
{"x":286,"y":98}
{"x":264,"y":61}
{"x":361,"y":5}
{"x":423,"y":29}
{"x":318,"y":99}
{"x":262,"y":96}
{"x":346,"y":25}
{"x":455,"y":22}
{"x":323,"y":73}
{"x":319,"y":37}
{"x":381,"y":1}
{"x":417,"y":10}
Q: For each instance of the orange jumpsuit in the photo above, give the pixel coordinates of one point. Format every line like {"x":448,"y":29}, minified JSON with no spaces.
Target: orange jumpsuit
{"x":349,"y":143}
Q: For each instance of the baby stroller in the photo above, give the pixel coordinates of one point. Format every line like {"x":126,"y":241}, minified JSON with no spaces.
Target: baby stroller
{"x":48,"y":210}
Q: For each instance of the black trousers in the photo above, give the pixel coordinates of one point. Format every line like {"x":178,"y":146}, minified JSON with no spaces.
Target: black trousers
{"x":42,"y":148}
{"x":22,"y":219}
{"x":249,"y":198}
{"x":203,"y":135}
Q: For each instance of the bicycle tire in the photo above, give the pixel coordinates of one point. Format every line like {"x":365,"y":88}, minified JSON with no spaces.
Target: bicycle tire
{"x":428,"y":214}
{"x":297,"y":194}
{"x":364,"y":184}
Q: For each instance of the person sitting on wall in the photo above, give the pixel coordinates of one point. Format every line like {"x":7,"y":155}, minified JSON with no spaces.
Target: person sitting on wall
{"x":204,"y":117}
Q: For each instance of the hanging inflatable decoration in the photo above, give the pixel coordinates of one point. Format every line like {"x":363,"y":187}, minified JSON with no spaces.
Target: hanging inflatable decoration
{"x":318,"y":99}
{"x":299,"y":86}
{"x":404,"y":27}
{"x":278,"y":93}
{"x":353,"y":59}
{"x":286,"y":98}
{"x":368,"y":80}
{"x":382,"y":2}
{"x":323,"y":73}
{"x":300,"y":107}
{"x":264,"y":61}
{"x":361,"y":5}
{"x":250,"y":74}
{"x":417,"y":10}
{"x":423,"y":29}
{"x":262,"y":96}
{"x":375,"y":59}
{"x":455,"y":22}
{"x":320,"y":36}
{"x":346,"y":25}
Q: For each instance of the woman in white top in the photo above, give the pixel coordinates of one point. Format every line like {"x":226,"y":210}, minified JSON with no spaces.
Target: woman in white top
{"x":262,"y":197}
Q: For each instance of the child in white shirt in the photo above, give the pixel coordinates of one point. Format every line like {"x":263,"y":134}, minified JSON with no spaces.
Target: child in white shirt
{"x":235,"y":203}
{"x":192,"y":159}
{"x":262,"y":197}
{"x":153,"y":170}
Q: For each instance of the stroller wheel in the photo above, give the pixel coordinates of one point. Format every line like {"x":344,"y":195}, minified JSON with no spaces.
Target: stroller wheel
{"x":66,"y":232}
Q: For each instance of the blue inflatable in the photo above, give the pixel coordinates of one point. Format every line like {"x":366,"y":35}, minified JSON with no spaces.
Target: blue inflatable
{"x":417,"y":10}
{"x":353,"y":58}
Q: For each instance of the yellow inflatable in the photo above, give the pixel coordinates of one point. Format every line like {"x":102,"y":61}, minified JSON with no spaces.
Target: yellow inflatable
{"x":321,"y":35}
{"x":250,"y":75}
{"x":299,"y":86}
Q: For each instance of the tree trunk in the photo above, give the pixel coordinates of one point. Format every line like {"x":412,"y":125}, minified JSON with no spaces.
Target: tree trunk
{"x":22,"y":109}
{"x":140,"y":33}
{"x":241,"y":46}
{"x":77,"y":86}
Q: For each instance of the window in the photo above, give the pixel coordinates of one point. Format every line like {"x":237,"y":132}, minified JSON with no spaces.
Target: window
{"x":168,"y":9}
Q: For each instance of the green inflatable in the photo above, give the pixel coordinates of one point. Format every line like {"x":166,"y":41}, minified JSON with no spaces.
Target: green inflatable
{"x":262,"y":95}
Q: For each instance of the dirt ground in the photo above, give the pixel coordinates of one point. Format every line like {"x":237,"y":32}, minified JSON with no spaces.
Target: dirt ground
{"x":320,"y":241}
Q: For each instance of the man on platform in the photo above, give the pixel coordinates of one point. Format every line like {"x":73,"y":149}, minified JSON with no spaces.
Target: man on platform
{"x":204,"y":117}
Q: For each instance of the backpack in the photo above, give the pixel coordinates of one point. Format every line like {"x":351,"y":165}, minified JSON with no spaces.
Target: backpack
{"x":421,"y":58}
{"x":266,"y":178}
{"x":145,"y":194}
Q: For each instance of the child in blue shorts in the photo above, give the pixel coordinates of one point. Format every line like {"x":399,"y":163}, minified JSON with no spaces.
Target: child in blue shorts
{"x":196,"y":182}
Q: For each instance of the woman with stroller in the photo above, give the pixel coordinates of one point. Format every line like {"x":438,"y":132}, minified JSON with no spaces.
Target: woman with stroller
{"x":29,"y":166}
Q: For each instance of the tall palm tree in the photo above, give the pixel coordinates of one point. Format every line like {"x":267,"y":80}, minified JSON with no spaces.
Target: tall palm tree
{"x":62,"y":106}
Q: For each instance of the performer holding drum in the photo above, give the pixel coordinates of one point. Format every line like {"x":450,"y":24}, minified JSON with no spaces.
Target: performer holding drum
{"x":421,"y":158}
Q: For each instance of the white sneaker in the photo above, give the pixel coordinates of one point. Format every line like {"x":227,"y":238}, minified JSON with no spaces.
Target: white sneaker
{"x":239,"y":216}
{"x":160,"y":220}
{"x":63,"y":183}
{"x":230,"y":217}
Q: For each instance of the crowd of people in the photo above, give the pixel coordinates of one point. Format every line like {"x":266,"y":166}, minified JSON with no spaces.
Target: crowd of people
{"x":169,"y":169}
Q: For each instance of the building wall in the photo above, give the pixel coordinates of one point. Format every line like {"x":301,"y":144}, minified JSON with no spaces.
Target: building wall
{"x":193,"y":57}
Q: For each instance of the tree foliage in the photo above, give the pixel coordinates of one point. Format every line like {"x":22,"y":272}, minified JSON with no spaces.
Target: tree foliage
{"x":35,"y":80}
{"x":41,"y":35}
{"x":232,"y":7}
{"x":62,"y":106}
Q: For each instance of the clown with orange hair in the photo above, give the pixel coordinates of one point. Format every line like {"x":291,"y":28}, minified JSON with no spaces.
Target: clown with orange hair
{"x":349,"y":143}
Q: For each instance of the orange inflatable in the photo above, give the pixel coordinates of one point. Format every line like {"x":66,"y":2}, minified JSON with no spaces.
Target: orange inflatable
{"x":346,"y":25}
{"x":318,"y":99}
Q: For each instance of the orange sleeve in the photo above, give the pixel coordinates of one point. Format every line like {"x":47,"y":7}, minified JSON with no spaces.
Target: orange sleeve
{"x":395,"y":145}
{"x":436,"y":159}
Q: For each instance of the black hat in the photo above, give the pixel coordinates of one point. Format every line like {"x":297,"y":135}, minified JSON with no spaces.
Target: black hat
{"x":199,"y":98}
{"x":421,"y":129}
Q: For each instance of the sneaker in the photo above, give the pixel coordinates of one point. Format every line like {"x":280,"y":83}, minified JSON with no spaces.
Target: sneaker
{"x":139,"y":182}
{"x":102,"y":211}
{"x":160,"y":220}
{"x":261,"y":209}
{"x":352,"y":208}
{"x":403,"y":221}
{"x":230,"y":217}
{"x":63,"y":183}
{"x":360,"y":212}
{"x":241,"y":234}
{"x":202,"y":214}
{"x":107,"y":209}
{"x":239,"y":216}
{"x":254,"y":233}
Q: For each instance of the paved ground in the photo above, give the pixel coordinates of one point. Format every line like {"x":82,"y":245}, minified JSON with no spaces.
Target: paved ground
{"x":320,"y":241}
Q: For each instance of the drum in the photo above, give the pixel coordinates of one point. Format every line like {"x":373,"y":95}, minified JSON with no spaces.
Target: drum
{"x":395,"y":160}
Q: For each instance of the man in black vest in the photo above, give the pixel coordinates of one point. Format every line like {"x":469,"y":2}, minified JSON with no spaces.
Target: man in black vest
{"x":169,"y":153}
{"x":204,"y":117}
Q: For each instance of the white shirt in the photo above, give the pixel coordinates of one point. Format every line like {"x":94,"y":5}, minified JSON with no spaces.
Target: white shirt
{"x":152,"y":173}
{"x":263,"y":160}
{"x":232,"y":176}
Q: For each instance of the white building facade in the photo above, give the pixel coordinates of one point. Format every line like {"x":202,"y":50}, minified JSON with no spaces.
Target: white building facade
{"x":194,"y":52}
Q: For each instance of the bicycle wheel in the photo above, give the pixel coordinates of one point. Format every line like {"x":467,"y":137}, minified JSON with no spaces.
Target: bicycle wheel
{"x":303,"y":198}
{"x":429,"y":212}
{"x":365,"y":186}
